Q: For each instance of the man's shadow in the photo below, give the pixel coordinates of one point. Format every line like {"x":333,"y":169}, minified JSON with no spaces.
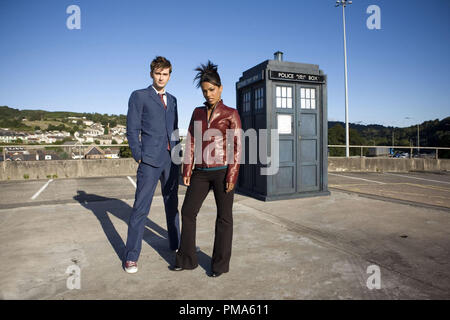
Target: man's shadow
{"x":154,"y":235}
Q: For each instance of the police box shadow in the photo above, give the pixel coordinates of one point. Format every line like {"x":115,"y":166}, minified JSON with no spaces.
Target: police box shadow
{"x":154,"y":235}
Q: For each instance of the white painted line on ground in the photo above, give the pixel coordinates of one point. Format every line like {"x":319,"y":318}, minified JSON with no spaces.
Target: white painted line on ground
{"x":401,"y":175}
{"x":340,"y":175}
{"x":132,"y":181}
{"x":41,"y":189}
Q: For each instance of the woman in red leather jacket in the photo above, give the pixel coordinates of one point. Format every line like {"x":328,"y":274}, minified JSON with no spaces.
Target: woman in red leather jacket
{"x":215,"y":128}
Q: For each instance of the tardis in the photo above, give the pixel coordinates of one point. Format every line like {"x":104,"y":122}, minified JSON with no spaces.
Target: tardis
{"x":290,"y":99}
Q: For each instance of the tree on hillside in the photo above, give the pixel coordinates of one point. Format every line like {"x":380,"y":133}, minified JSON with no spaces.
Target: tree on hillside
{"x":336,"y":136}
{"x":125,"y":152}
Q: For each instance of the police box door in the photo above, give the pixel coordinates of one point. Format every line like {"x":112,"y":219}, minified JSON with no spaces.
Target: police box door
{"x":308,"y":140}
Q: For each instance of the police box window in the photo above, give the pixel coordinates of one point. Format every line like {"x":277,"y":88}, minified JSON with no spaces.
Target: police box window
{"x":284,"y":97}
{"x":259,"y":98}
{"x":307,"y":98}
{"x":246,"y":101}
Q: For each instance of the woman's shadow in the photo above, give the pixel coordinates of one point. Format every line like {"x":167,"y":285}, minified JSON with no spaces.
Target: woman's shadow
{"x":154,"y":235}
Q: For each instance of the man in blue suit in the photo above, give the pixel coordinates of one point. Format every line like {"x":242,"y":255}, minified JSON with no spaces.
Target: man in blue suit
{"x":152,"y":118}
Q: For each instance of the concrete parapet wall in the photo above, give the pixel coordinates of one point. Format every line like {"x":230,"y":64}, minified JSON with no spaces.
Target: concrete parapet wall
{"x":357,"y":164}
{"x":21,"y":170}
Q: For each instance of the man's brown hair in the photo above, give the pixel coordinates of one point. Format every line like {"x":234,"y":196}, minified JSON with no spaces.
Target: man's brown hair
{"x":160,"y":63}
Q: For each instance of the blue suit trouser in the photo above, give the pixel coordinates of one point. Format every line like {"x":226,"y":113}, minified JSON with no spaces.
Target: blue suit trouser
{"x":147,"y":179}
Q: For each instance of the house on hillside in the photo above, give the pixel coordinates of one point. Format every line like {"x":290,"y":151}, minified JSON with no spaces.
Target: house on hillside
{"x":112,"y":153}
{"x":118,"y":139}
{"x":104,"y":139}
{"x":119,"y":130}
{"x":46,"y":155}
{"x":94,"y":152}
{"x":19,"y":156}
{"x":7,"y":136}
{"x":94,"y":130}
{"x":55,"y":138}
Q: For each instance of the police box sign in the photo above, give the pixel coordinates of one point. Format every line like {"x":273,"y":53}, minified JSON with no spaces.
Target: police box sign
{"x":248,"y":81}
{"x":293,"y":76}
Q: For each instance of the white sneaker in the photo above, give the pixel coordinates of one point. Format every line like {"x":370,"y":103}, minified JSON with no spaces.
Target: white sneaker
{"x":131,"y":267}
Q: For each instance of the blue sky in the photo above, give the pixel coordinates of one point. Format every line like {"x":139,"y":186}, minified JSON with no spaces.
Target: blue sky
{"x":402,"y":70}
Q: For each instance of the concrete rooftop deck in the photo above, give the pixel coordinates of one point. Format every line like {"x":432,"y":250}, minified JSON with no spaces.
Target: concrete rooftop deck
{"x":310,"y":248}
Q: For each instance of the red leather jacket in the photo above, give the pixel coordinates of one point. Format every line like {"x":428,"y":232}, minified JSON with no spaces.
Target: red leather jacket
{"x":222,"y":129}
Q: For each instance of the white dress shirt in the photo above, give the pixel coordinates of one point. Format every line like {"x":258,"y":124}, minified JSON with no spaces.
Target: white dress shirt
{"x":163,"y":93}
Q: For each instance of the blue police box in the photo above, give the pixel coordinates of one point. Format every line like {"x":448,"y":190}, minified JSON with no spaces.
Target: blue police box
{"x":290,"y":98}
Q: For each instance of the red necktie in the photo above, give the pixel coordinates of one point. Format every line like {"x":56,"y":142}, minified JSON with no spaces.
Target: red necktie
{"x":162,"y":100}
{"x":165,"y":107}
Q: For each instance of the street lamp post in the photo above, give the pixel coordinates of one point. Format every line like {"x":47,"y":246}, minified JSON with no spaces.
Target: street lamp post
{"x":393,"y":137}
{"x":418,"y":141}
{"x":418,"y":136}
{"x":344,"y":3}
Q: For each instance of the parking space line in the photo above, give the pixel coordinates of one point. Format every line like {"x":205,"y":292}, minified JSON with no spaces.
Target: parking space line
{"x":390,"y":184}
{"x":132,"y":181}
{"x":340,"y":175}
{"x":426,"y":186}
{"x":417,"y":195}
{"x":349,"y":185}
{"x":41,"y":189}
{"x":400,"y":175}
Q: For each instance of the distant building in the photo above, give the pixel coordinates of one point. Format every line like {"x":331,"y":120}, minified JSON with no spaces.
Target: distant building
{"x":378,"y":152}
{"x":112,"y":153}
{"x":7,"y":136}
{"x":119,"y":130}
{"x":95,"y":130}
{"x":91,"y":133}
{"x":15,"y":149}
{"x":54,"y":139}
{"x":94,"y":152}
{"x":42,"y":154}
{"x":88,"y":139}
{"x":77,"y":156}
{"x":15,"y":157}
{"x":70,"y":143}
{"x":106,"y":139}
{"x":33,"y":140}
{"x":20,"y":154}
{"x":118,"y":139}
{"x":33,"y":155}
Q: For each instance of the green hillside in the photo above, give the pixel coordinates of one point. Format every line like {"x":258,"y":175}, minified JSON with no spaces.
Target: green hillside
{"x":12,"y":118}
{"x":433,"y":133}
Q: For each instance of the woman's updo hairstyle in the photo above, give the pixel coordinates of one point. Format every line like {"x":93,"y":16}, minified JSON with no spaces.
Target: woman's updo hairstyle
{"x":207,"y":73}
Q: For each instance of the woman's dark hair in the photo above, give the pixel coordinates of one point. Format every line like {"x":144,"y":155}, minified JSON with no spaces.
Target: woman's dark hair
{"x":207,"y":73}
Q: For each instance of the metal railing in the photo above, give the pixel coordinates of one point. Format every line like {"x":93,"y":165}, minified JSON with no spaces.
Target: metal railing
{"x":78,"y":149}
{"x":410,"y":148}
